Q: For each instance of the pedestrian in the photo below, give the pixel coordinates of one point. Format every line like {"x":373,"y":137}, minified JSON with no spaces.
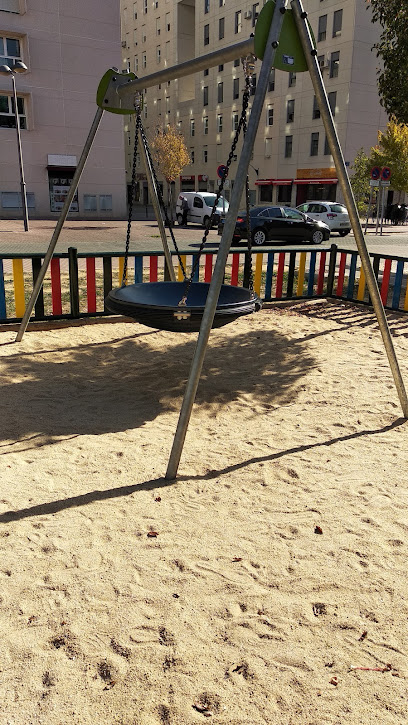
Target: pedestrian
{"x":184,"y":210}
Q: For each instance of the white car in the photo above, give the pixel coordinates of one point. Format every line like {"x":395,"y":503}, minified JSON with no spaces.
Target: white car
{"x":332,"y":213}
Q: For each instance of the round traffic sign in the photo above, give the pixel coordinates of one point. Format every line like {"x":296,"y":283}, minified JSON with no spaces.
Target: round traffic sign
{"x":385,"y":173}
{"x":375,"y":172}
{"x":222,"y":171}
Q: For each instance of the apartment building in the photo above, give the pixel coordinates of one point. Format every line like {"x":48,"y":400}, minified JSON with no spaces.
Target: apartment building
{"x":67,"y":47}
{"x":291,"y":160}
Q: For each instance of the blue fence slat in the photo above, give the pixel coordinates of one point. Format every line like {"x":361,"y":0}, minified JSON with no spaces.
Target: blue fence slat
{"x":269,"y":277}
{"x":138,"y":270}
{"x":312,"y":267}
{"x":352,"y":276}
{"x":397,"y":285}
{"x":3,"y":311}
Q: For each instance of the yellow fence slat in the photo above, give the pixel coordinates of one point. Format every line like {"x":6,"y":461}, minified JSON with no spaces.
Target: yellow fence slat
{"x":120,"y":270}
{"x":301,"y":275}
{"x":18,"y":278}
{"x":258,"y":273}
{"x":180,"y":275}
{"x":361,"y":285}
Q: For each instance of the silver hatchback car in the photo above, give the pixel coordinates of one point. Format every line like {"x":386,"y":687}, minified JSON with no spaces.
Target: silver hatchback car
{"x":332,"y":213}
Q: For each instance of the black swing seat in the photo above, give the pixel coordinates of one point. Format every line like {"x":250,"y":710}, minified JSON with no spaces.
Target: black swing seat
{"x":156,"y":304}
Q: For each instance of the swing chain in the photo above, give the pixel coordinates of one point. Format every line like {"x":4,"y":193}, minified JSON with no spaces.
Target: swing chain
{"x":137,"y":106}
{"x":241,"y":126}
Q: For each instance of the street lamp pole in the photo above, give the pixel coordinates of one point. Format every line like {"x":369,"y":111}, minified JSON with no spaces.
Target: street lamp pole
{"x":6,"y":70}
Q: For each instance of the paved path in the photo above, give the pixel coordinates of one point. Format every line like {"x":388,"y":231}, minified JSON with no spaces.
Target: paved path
{"x":110,"y":236}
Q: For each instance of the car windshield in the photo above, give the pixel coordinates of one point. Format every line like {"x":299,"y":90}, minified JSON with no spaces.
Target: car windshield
{"x":293,"y":213}
{"x":209,"y":199}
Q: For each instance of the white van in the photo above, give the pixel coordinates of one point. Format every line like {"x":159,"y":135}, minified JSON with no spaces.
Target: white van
{"x":200,"y":205}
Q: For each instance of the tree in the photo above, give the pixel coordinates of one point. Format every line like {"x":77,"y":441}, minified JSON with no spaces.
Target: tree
{"x":392,"y":151}
{"x":392,"y":49}
{"x":360,"y":181}
{"x":171,"y":155}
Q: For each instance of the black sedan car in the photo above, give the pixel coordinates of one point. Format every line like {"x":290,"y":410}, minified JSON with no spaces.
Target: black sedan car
{"x":278,"y":223}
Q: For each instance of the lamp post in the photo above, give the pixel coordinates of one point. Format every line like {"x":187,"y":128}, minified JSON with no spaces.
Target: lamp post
{"x":5,"y":70}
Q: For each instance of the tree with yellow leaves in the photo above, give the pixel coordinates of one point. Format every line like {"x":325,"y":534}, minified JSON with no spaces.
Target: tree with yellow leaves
{"x":392,"y":151}
{"x":171,"y":156}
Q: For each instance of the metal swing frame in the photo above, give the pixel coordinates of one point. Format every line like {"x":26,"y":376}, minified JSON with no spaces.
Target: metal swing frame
{"x":117,"y":95}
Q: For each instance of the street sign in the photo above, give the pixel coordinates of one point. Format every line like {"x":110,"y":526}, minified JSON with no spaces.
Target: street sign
{"x":385,"y":183}
{"x":222,"y":171}
{"x":375,"y":172}
{"x":374,"y":182}
{"x":385,"y":173}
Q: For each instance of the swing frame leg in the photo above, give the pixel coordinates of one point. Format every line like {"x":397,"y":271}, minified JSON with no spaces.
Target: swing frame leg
{"x":60,"y":223}
{"x":226,"y":239}
{"x":323,"y":102}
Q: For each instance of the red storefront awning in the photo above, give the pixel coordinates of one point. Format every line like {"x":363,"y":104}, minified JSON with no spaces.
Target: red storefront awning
{"x":274,"y":182}
{"x":315,"y":181}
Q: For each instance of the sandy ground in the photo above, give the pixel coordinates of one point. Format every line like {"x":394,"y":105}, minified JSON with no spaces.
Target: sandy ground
{"x":267,"y":584}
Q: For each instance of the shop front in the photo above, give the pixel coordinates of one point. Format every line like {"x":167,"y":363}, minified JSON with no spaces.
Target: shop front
{"x":281,"y":195}
{"x":187,"y":182}
{"x":315,"y":185}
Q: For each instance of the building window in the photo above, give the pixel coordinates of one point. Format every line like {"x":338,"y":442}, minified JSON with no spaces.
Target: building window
{"x":320,"y":60}
{"x":268,"y":148}
{"x":206,"y":6}
{"x":135,"y":11}
{"x":221,"y":68}
{"x":205,"y":96}
{"x":168,"y":22}
{"x":237,"y":63}
{"x":288,"y":146}
{"x":322,"y":28}
{"x":314,"y":144}
{"x":9,"y":51}
{"x":290,"y":111}
{"x":222,"y":3}
{"x":192,"y":127}
{"x":327,"y":151}
{"x":205,"y":154}
{"x":206,"y":72}
{"x":220,"y":92}
{"x":157,"y":26}
{"x":144,"y":60}
{"x":192,"y":155}
{"x":337,"y":22}
{"x":269,"y":116}
{"x":235,"y":121}
{"x":265,"y":193}
{"x":135,"y":37}
{"x":332,"y":101}
{"x":238,"y":21}
{"x":221,"y":28}
{"x":144,"y":33}
{"x":7,"y":113}
{"x":105,"y":202}
{"x":292,"y":79}
{"x":316,"y":109}
{"x":219,"y":123}
{"x":255,"y":13}
{"x":235,"y":88}
{"x":12,"y":200}
{"x":136,"y":66}
{"x":205,"y":125}
{"x":334,"y":64}
{"x":206,"y":34}
{"x":271,"y":82}
{"x":145,"y":7}
{"x":158,"y":54}
{"x":90,"y":202}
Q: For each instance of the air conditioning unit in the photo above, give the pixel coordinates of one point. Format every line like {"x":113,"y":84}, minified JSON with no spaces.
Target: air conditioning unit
{"x":248,"y":14}
{"x":123,"y":43}
{"x":327,"y":61}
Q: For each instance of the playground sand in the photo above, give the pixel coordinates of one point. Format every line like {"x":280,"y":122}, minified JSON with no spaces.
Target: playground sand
{"x":246,"y":591}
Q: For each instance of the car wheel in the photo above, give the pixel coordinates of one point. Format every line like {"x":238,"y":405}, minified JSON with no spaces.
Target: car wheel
{"x":180,"y":219}
{"x":344,"y":232}
{"x":206,"y":222}
{"x":317,"y":237}
{"x":258,"y":237}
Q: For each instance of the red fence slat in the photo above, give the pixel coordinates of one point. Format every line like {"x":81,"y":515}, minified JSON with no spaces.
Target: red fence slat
{"x":153,"y":269}
{"x":385,"y":281}
{"x":279,"y":276}
{"x":320,"y":278}
{"x":208,"y":267}
{"x":340,"y":279}
{"x":90,"y":284}
{"x":235,"y":269}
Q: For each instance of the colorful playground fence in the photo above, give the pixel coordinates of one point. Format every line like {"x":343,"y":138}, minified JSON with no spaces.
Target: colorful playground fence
{"x":76,"y":284}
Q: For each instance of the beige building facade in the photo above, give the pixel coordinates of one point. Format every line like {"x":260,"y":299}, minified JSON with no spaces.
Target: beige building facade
{"x":291,"y":160}
{"x":67,"y":47}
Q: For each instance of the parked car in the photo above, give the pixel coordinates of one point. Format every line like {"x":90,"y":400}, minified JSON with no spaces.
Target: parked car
{"x":200,"y":205}
{"x":278,"y":223}
{"x":332,"y":213}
